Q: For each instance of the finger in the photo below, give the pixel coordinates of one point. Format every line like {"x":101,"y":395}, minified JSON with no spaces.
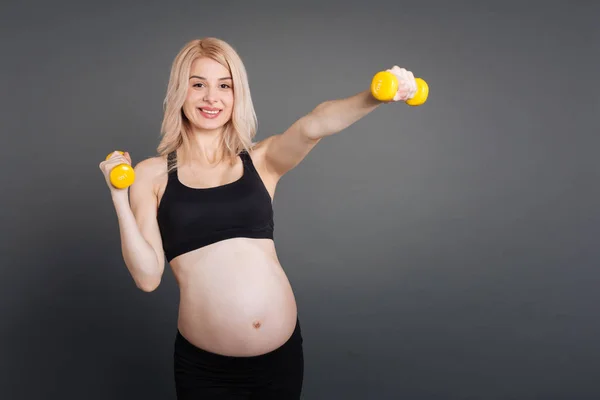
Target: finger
{"x":406,"y":78}
{"x":120,"y":157}
{"x":407,"y":85}
{"x":105,"y":168}
{"x":400,"y":94}
{"x":114,"y":160}
{"x":112,"y":163}
{"x":399,"y":72}
{"x":413,"y":84}
{"x":396,"y":70}
{"x":115,"y":154}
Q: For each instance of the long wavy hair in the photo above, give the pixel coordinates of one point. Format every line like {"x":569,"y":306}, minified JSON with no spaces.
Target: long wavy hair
{"x":239,"y":131}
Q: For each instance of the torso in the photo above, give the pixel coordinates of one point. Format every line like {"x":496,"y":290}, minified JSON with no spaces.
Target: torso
{"x":235,"y":298}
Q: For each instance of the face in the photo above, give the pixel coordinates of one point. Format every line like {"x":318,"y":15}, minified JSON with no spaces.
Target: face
{"x":209,"y":102}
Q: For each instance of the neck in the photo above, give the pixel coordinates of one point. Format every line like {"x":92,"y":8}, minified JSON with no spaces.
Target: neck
{"x":206,"y":144}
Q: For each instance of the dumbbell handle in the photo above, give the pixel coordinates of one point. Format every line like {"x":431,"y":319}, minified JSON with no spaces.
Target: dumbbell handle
{"x":385,"y":85}
{"x":122,"y":175}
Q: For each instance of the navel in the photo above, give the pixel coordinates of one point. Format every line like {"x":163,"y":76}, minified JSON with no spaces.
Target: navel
{"x":256,"y":324}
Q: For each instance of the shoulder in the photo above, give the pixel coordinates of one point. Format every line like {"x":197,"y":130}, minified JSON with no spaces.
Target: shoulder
{"x":259,"y":149}
{"x":152,"y":165}
{"x":151,"y":171}
{"x":257,"y":153}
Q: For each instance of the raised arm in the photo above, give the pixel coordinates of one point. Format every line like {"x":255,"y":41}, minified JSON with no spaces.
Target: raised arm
{"x":286,"y":150}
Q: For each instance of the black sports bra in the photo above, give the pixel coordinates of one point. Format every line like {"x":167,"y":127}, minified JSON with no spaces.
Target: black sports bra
{"x":191,"y":218}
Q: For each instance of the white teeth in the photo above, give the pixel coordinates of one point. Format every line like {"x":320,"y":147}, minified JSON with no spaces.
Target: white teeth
{"x":210,"y":112}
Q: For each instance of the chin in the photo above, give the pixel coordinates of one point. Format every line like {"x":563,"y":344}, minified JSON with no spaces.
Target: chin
{"x":209,"y":127}
{"x":209,"y":124}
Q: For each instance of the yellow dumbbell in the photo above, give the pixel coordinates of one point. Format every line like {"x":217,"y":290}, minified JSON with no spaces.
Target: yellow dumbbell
{"x":385,"y":85}
{"x":122,"y":175}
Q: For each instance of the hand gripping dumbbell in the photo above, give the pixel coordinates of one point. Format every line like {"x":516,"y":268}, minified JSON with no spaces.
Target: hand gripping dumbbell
{"x":122,"y":175}
{"x":385,"y":85}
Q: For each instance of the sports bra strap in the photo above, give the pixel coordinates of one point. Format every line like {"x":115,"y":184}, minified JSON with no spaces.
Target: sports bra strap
{"x":171,"y":159}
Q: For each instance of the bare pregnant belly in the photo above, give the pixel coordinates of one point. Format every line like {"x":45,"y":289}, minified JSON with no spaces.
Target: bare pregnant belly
{"x":235,"y":298}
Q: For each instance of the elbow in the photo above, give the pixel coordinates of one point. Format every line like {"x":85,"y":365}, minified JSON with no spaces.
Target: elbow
{"x":148,"y":284}
{"x":146,"y":274}
{"x":314,"y":125}
{"x":317,"y":124}
{"x":148,"y":287}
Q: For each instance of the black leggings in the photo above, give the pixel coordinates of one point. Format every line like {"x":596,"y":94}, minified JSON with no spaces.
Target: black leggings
{"x":200,"y":374}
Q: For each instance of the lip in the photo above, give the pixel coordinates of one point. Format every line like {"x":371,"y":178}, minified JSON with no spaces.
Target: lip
{"x":205,"y":113}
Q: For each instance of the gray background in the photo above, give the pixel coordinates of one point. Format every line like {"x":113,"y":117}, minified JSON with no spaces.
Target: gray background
{"x":441,"y":252}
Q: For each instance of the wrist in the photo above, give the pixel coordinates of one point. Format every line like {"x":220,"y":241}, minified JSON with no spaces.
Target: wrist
{"x":120,"y":197}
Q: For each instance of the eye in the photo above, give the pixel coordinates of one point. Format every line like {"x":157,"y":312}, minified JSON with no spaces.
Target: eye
{"x":197,"y":84}
{"x":225,"y":86}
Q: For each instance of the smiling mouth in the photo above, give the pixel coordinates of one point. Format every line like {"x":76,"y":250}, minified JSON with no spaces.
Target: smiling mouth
{"x":209,"y":113}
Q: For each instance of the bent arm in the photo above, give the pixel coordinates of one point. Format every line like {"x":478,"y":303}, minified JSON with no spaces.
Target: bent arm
{"x":141,"y":243}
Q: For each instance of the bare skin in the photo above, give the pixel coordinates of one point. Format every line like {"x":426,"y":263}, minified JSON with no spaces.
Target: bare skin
{"x":235,"y":298}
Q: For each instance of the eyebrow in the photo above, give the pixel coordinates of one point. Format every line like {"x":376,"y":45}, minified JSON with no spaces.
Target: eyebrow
{"x":201,"y":77}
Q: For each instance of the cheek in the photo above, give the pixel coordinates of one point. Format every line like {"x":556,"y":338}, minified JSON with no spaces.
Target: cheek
{"x":189,"y":95}
{"x":229,"y":102}
{"x":189,"y":106}
{"x":188,"y":109}
{"x":188,"y":103}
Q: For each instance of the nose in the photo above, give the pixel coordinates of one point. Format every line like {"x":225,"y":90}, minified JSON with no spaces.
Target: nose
{"x":210,"y":95}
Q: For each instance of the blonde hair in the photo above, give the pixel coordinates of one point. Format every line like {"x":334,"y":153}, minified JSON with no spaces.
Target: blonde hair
{"x":239,"y":131}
